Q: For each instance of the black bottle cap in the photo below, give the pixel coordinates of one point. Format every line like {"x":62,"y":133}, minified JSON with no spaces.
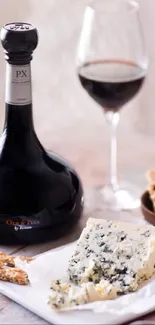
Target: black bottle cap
{"x":19,"y":41}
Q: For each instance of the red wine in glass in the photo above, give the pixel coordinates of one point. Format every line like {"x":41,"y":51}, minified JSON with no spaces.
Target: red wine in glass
{"x":111,"y":83}
{"x":112,"y":64}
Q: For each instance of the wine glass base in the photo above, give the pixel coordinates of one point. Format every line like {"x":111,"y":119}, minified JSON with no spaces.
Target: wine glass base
{"x":126,"y":197}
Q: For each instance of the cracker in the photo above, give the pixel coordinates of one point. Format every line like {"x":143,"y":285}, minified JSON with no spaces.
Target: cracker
{"x":150,"y":175}
{"x":14,"y":275}
{"x":9,"y":272}
{"x":10,"y":260}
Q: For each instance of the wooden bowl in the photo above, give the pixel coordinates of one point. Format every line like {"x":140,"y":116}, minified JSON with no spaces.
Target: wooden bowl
{"x":147,"y":208}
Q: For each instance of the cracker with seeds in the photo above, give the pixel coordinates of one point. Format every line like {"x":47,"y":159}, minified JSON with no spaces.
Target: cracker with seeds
{"x":14,"y":275}
{"x":9,"y":272}
{"x":150,"y":175}
{"x":10,"y":260}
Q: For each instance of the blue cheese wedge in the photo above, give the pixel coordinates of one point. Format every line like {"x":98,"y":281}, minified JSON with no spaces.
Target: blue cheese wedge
{"x":121,"y":253}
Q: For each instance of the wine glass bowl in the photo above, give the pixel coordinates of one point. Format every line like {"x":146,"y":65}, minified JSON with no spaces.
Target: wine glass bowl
{"x":112,"y":66}
{"x":111,"y":92}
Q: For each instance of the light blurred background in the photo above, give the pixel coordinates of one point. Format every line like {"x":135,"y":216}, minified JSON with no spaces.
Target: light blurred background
{"x":66,"y":119}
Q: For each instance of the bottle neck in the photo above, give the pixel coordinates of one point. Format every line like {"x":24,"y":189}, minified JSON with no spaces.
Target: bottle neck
{"x":18,"y":98}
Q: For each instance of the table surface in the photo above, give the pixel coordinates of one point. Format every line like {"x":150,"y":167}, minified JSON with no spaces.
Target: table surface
{"x":69,"y":122}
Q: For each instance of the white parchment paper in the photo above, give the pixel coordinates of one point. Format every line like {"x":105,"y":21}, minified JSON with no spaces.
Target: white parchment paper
{"x":53,"y":265}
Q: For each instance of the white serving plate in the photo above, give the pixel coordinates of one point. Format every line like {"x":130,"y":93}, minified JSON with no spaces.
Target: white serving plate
{"x":51,"y":265}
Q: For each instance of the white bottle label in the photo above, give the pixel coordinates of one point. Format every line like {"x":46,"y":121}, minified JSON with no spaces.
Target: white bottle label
{"x":18,"y":84}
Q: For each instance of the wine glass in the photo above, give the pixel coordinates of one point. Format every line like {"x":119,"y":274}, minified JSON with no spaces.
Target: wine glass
{"x":112,"y":65}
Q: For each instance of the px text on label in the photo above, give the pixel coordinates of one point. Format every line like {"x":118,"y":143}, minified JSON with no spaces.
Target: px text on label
{"x":21,"y":73}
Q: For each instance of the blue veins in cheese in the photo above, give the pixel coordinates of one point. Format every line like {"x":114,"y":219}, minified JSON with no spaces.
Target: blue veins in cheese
{"x":110,"y":258}
{"x":121,"y":253}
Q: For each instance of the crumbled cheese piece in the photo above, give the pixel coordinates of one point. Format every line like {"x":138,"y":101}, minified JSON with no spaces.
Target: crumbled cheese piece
{"x":101,"y":291}
{"x":60,"y":286}
{"x":79,"y":295}
{"x":73,"y":297}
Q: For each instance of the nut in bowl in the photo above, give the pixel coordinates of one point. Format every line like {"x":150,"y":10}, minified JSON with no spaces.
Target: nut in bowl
{"x":148,"y":198}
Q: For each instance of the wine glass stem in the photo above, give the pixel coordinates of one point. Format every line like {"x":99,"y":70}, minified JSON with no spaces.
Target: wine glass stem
{"x":113,"y":152}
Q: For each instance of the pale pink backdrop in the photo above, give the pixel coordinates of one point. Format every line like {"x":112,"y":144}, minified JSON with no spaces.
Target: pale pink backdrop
{"x":66,"y":119}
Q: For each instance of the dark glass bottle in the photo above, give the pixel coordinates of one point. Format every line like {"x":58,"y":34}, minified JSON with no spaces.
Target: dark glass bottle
{"x":41,"y":196}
